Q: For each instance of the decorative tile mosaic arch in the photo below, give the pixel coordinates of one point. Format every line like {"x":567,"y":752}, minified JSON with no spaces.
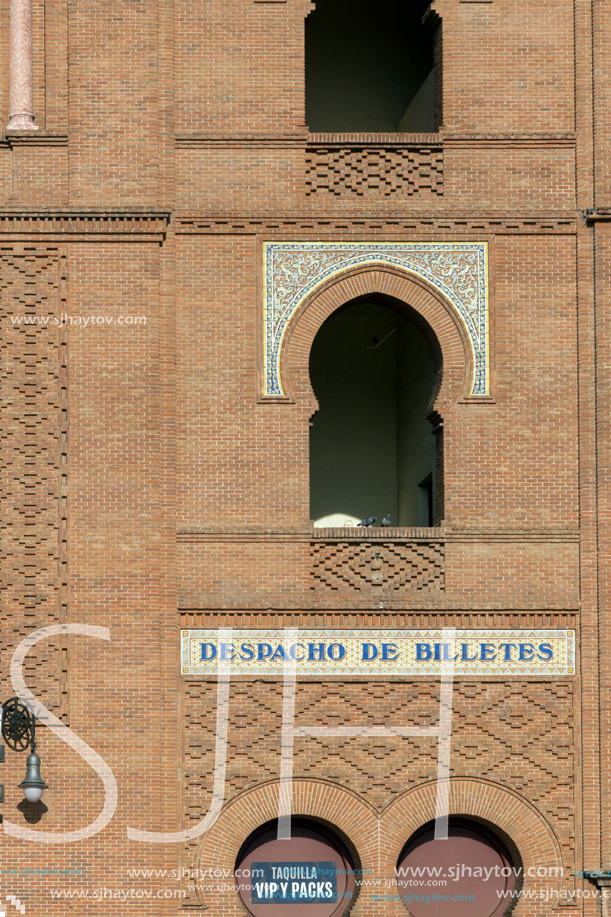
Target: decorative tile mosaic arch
{"x":292,"y":270}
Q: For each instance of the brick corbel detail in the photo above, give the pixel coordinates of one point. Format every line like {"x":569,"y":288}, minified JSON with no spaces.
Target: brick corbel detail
{"x":432,"y":17}
{"x":72,"y":225}
{"x":599,"y":215}
{"x":602,"y":880}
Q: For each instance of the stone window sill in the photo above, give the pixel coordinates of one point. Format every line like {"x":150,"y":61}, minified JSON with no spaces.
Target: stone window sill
{"x":372,"y":138}
{"x":378,"y":533}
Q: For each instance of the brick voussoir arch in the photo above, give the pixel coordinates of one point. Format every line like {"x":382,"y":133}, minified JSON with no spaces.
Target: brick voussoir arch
{"x":320,"y":800}
{"x":523,"y":828}
{"x":407,"y":289}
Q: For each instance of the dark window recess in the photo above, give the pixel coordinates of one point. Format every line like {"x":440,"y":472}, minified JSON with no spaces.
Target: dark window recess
{"x":374,"y":445}
{"x":426,"y":500}
{"x":370,"y":66}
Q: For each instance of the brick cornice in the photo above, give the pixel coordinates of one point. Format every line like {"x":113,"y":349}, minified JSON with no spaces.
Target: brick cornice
{"x":34,"y":139}
{"x":147,"y":224}
{"x":375,"y":533}
{"x":503,"y":141}
{"x":144,"y":225}
{"x":198,"y":140}
{"x":394,"y":139}
{"x":387,"y":227}
{"x":412,"y":617}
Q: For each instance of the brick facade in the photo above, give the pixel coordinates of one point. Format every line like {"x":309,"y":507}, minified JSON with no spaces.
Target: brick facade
{"x":147,"y":485}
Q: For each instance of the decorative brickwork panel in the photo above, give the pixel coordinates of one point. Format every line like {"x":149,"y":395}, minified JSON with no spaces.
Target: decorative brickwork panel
{"x":338,"y":565}
{"x":33,"y":467}
{"x":518,"y":734}
{"x":361,"y":171}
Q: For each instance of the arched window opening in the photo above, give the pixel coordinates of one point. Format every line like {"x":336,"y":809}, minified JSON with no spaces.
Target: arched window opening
{"x":374,"y":451}
{"x":475,"y":861}
{"x":371,"y":66}
{"x":310,"y":874}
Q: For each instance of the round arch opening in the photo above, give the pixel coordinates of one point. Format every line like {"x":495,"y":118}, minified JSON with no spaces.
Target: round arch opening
{"x":376,"y":448}
{"x":473,"y":866}
{"x":309,"y":875}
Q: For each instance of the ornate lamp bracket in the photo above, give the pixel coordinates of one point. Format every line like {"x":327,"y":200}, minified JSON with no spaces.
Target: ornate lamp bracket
{"x":18,"y":725}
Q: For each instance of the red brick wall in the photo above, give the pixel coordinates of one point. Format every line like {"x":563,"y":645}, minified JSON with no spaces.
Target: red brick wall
{"x":172,"y":143}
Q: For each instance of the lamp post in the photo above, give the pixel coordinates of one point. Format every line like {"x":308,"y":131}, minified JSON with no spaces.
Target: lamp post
{"x":18,"y":729}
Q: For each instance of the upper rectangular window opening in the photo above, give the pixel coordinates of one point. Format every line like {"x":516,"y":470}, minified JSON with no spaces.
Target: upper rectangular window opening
{"x":370,"y":66}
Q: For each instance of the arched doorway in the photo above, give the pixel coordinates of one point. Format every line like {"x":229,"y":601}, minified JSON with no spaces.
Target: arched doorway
{"x":311,"y":874}
{"x":469,"y":874}
{"x":373,"y":450}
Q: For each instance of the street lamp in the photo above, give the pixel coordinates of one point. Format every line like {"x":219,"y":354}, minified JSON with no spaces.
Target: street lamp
{"x":18,"y":728}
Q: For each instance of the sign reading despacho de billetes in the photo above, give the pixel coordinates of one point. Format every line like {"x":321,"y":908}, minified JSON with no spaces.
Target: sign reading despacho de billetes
{"x":379,"y":652}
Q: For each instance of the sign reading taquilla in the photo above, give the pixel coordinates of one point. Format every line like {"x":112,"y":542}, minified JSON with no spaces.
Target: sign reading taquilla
{"x":379,"y":652}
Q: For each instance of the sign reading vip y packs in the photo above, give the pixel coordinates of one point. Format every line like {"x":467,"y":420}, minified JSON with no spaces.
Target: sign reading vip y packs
{"x":290,"y":883}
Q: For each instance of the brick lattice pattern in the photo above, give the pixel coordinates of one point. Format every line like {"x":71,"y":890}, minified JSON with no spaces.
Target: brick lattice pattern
{"x":361,"y":171}
{"x":519,"y":734}
{"x":338,"y":565}
{"x":33,"y":490}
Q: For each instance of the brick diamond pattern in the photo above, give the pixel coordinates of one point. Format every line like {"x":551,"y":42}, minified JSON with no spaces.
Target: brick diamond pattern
{"x":360,"y":565}
{"x":361,"y":171}
{"x":33,"y":436}
{"x":518,"y":734}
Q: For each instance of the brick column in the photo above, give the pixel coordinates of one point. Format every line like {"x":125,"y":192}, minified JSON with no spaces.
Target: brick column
{"x":21,"y":117}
